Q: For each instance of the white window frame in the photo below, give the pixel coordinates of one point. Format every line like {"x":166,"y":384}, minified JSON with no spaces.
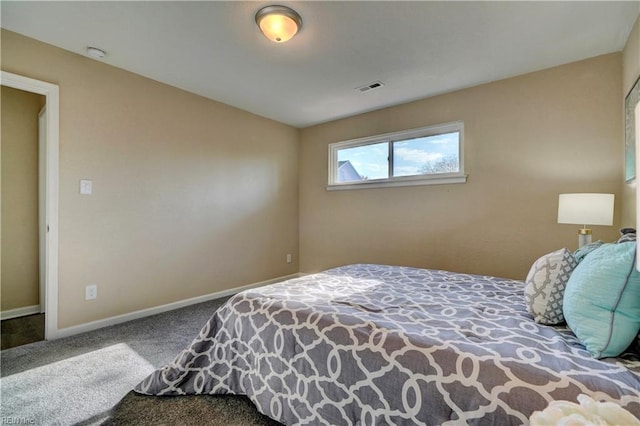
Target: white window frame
{"x":428,"y":179}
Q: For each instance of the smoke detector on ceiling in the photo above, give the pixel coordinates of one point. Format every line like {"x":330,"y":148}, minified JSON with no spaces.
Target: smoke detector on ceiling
{"x":370,"y":86}
{"x":95,"y":53}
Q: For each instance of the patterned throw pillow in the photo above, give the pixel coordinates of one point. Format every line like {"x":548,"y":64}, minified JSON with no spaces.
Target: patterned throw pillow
{"x":545,"y":285}
{"x":627,"y":234}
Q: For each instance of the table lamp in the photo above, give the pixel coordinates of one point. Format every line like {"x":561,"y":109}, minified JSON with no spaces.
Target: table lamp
{"x":585,"y":209}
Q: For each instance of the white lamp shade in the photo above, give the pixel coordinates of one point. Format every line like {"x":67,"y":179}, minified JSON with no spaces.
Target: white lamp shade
{"x":586,"y":209}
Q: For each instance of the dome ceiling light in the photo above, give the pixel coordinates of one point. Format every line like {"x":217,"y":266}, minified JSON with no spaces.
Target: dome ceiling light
{"x":278,"y":23}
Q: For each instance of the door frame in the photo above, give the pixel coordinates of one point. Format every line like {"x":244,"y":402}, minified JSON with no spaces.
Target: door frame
{"x":42,"y":202}
{"x":51,"y":94}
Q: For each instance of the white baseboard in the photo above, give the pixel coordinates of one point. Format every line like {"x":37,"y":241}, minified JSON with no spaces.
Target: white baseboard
{"x":20,"y":312}
{"x":94,"y":325}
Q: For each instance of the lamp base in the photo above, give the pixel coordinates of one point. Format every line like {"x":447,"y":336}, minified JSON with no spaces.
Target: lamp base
{"x":584,"y":237}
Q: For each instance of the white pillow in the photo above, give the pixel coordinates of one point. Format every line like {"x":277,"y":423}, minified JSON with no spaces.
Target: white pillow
{"x":588,"y":412}
{"x":545,"y":284}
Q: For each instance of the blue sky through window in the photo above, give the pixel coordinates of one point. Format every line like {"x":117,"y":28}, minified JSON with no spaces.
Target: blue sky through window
{"x":411,"y":156}
{"x":370,"y":161}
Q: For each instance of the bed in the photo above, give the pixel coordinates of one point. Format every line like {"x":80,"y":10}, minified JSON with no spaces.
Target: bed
{"x":389,"y":345}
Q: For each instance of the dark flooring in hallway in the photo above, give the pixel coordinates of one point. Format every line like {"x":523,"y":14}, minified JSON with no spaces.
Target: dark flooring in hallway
{"x":22,"y":330}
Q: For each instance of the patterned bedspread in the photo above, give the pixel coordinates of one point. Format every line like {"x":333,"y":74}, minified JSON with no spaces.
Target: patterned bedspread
{"x":384,"y":345}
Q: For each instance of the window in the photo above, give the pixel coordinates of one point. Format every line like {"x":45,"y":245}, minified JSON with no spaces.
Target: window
{"x":426,"y":156}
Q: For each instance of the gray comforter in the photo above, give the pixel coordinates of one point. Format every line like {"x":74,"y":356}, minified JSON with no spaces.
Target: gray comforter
{"x":383,"y":345}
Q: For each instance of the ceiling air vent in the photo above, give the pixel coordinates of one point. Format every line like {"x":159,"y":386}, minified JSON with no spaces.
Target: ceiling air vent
{"x":370,"y":86}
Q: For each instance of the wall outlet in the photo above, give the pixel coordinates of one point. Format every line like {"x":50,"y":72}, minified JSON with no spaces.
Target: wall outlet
{"x":289,"y":258}
{"x":90,"y":292}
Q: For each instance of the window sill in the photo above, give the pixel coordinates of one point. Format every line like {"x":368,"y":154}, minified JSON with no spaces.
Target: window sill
{"x":444,"y":180}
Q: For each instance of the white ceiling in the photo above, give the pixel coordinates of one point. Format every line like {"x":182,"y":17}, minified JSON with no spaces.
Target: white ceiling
{"x":417,"y":49}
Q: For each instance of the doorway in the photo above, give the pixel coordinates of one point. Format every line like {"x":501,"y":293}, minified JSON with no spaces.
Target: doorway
{"x":48,"y":197}
{"x":20,"y":278}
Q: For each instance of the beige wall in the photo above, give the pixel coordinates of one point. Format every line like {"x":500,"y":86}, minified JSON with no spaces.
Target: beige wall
{"x":630,"y":73}
{"x":190,"y":196}
{"x":527,"y":139}
{"x":19,"y":147}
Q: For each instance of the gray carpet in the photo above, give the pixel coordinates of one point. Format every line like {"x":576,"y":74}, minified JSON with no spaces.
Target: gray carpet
{"x":87,"y":379}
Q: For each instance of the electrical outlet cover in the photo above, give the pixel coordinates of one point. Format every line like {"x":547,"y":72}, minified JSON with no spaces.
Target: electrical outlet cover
{"x":91,"y":292}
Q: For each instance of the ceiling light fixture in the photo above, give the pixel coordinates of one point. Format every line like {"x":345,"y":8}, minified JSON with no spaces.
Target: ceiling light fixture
{"x":278,"y":23}
{"x":95,"y":53}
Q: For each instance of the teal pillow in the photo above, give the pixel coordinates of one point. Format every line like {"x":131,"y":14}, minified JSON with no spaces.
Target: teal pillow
{"x":602,"y":300}
{"x":583,"y":251}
